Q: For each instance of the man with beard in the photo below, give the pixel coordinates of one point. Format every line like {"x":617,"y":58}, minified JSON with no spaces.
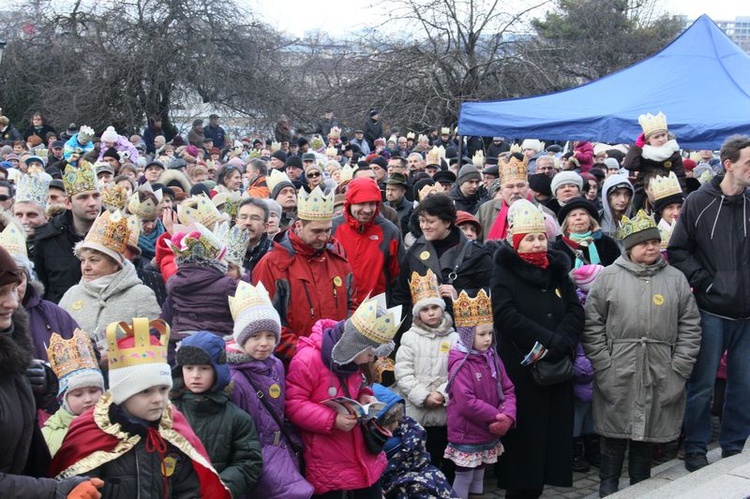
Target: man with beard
{"x":253,"y":217}
{"x":466,"y":192}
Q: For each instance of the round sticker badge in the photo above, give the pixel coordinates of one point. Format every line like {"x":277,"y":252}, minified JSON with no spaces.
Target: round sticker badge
{"x":658,"y":300}
{"x":424,"y":255}
{"x":337,"y":281}
{"x":274,"y":391}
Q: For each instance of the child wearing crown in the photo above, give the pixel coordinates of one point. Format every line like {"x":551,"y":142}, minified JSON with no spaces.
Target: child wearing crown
{"x":333,"y":362}
{"x":133,"y":439}
{"x":482,"y":406}
{"x":421,"y":368}
{"x":81,"y":383}
{"x":641,"y":360}
{"x":655,"y":150}
{"x":259,"y":389}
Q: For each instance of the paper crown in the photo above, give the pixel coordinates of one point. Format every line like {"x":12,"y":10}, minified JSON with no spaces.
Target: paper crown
{"x":134,"y":224}
{"x":236,"y":240}
{"x":525,"y":218}
{"x":706,"y":176}
{"x":85,"y":134}
{"x":513,"y":171}
{"x":411,"y":136}
{"x":247,"y":296}
{"x":142,"y":352}
{"x":429,"y":189}
{"x":434,"y":156}
{"x":317,"y":142}
{"x":470,"y":312}
{"x":316,"y":205}
{"x":275,"y":146}
{"x":114,"y":197}
{"x":275,"y":178}
{"x":347,"y":172}
{"x":81,"y":179}
{"x":142,"y":205}
{"x":662,"y":187}
{"x":331,"y":152}
{"x":232,"y":204}
{"x":478,"y":159}
{"x":32,"y":188}
{"x":68,"y":356}
{"x":13,"y":239}
{"x":198,"y":209}
{"x":652,"y":123}
{"x":445,"y":131}
{"x":335,"y":133}
{"x":196,"y":241}
{"x":423,"y":287}
{"x":423,"y":138}
{"x":630,"y":226}
{"x":380,"y":329}
{"x":514,"y":148}
{"x":533,"y":144}
{"x":110,"y":231}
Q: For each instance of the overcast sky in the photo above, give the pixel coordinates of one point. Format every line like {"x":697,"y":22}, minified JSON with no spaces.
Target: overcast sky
{"x":339,"y":16}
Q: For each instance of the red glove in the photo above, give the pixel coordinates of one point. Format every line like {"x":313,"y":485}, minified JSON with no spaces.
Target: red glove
{"x":641,"y":140}
{"x":87,"y":490}
{"x":501,"y":426}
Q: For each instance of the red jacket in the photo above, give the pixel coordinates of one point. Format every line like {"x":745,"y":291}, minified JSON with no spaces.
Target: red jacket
{"x":374,"y":248}
{"x":305,"y":285}
{"x":584,"y":153}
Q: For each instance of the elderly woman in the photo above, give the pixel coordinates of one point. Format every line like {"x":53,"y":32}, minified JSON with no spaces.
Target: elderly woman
{"x":458,"y":263}
{"x":581,"y":239}
{"x":110,"y":290}
{"x":535,"y":304}
{"x":642,"y":336}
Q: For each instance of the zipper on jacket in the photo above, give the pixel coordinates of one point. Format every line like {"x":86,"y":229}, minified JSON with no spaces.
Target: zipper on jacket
{"x":309,"y":301}
{"x":335,"y":296}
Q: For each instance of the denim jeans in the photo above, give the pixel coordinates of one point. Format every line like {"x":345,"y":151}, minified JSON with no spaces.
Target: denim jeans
{"x":720,"y":335}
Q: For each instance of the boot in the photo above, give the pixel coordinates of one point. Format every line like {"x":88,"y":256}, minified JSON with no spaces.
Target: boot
{"x":639,"y":461}
{"x":610,"y":466}
{"x":592,"y":453}
{"x":579,"y":462}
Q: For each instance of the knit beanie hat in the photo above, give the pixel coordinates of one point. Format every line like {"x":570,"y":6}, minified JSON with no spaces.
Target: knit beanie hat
{"x":253,"y":312}
{"x":280,"y":155}
{"x":273,"y":206}
{"x":110,"y":135}
{"x":468,"y":172}
{"x":201,"y":349}
{"x":371,"y":326}
{"x":541,"y":183}
{"x":584,"y":276}
{"x":566,"y":177}
{"x":74,"y":363}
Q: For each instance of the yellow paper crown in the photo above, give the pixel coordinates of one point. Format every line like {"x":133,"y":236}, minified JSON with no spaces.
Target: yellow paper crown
{"x":380,"y":329}
{"x":142,"y":205}
{"x":114,"y":197}
{"x":275,"y":178}
{"x":335,"y":133}
{"x":706,"y":176}
{"x":470,"y":312}
{"x":13,"y":239}
{"x":275,"y":146}
{"x":662,"y":187}
{"x":331,"y":152}
{"x":423,"y":138}
{"x":514,"y":148}
{"x":652,"y":123}
{"x":134,"y":224}
{"x":478,"y":159}
{"x":247,"y":296}
{"x":513,"y":171}
{"x":317,"y":142}
{"x":445,"y":131}
{"x":347,"y":172}
{"x":110,"y":230}
{"x":142,"y":352}
{"x":424,"y":287}
{"x":33,"y":187}
{"x":67,"y":356}
{"x":410,"y":135}
{"x":434,"y":156}
{"x":630,"y":226}
{"x":81,"y":179}
{"x":316,"y":205}
{"x":429,"y":189}
{"x":236,"y":238}
{"x":196,"y":241}
{"x":525,"y":218}
{"x":198,"y":209}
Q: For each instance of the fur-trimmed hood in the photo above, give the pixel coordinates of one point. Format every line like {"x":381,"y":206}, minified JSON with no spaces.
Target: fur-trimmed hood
{"x":15,"y":345}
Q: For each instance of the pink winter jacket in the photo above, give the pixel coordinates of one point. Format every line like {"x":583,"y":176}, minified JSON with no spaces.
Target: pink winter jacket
{"x":334,"y":459}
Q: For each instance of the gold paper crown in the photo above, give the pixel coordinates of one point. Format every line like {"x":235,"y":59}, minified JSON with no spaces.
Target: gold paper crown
{"x":13,"y":239}
{"x":32,"y":187}
{"x":134,"y":224}
{"x":424,"y":287}
{"x":110,"y":230}
{"x":662,"y":187}
{"x":236,"y":238}
{"x":429,"y":189}
{"x":410,"y":135}
{"x":470,"y":312}
{"x":232,"y":204}
{"x":142,"y":352}
{"x":198,"y":209}
{"x":275,"y":146}
{"x":380,"y":329}
{"x":317,"y":142}
{"x":435,"y":155}
{"x":514,"y":148}
{"x":142,"y":205}
{"x":81,"y":179}
{"x":197,"y":241}
{"x":67,"y":356}
{"x":630,"y":226}
{"x":315,"y":206}
{"x":247,"y":296}
{"x":445,"y":131}
{"x":652,"y":123}
{"x":331,"y":152}
{"x":478,"y":159}
{"x":114,"y":197}
{"x":513,"y":171}
{"x":335,"y":133}
{"x":275,"y":178}
{"x":525,"y":218}
{"x":422,"y":138}
{"x":347,"y":172}
{"x":706,"y":176}
{"x":255,"y":153}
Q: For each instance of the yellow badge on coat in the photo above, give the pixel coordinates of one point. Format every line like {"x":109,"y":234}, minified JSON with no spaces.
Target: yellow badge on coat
{"x":424,"y":255}
{"x":658,"y":300}
{"x":168,"y":466}
{"x":444,"y":347}
{"x":274,"y":391}
{"x":337,"y":281}
{"x":77,"y":305}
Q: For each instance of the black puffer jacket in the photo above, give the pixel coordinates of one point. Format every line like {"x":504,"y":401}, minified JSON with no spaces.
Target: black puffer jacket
{"x":711,"y":246}
{"x":54,"y":262}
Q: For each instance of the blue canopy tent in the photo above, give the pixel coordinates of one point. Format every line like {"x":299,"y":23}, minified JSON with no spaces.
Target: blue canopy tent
{"x":701,"y":81}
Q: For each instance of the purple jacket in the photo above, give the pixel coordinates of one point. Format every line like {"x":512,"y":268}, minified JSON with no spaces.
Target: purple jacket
{"x":475,"y":399}
{"x":583,"y":376}
{"x":280,"y":477}
{"x":197,"y":300}
{"x":46,"y":318}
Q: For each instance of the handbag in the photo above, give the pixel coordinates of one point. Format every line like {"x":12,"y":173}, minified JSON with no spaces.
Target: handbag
{"x":546,"y":373}
{"x":374,"y":435}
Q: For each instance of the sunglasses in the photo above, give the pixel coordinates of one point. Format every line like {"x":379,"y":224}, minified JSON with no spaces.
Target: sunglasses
{"x":4,"y":197}
{"x":313,"y":175}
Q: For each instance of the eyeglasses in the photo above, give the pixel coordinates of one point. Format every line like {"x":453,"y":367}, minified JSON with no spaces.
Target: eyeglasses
{"x":313,"y":175}
{"x":4,"y":197}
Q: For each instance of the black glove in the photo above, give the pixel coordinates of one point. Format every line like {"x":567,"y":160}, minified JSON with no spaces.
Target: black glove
{"x":37,"y":377}
{"x":558,"y":347}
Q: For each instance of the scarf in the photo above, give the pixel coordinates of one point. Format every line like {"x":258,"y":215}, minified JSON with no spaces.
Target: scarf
{"x":100,"y":284}
{"x":538,"y":259}
{"x":147,"y":242}
{"x":661,"y":153}
{"x":499,"y":228}
{"x":332,"y":336}
{"x":492,"y":360}
{"x":586,"y":240}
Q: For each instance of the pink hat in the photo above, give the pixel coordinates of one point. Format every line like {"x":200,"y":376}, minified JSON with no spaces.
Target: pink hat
{"x":584,"y":276}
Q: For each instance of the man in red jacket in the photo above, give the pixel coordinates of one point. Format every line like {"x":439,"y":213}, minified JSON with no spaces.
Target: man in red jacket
{"x":307,"y":273}
{"x":372,"y":242}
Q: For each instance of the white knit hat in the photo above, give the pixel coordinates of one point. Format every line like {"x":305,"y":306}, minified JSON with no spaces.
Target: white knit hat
{"x":564,"y":178}
{"x":128,"y":381}
{"x":253,"y":312}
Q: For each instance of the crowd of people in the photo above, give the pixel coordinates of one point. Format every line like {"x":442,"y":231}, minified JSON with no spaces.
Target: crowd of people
{"x":368,"y":316}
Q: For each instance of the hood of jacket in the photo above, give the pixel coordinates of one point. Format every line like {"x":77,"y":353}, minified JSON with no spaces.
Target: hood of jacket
{"x":361,"y":190}
{"x":638,"y":269}
{"x":710,"y":193}
{"x":193,"y":277}
{"x":609,"y":226}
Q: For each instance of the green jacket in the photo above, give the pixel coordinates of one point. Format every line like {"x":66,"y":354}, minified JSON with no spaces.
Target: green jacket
{"x":55,"y":429}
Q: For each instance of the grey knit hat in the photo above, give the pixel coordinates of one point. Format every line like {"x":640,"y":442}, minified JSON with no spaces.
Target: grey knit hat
{"x":253,"y":312}
{"x":468,"y":172}
{"x":372,"y":326}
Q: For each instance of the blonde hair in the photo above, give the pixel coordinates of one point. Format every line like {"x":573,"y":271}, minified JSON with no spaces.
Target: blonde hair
{"x":593,"y":224}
